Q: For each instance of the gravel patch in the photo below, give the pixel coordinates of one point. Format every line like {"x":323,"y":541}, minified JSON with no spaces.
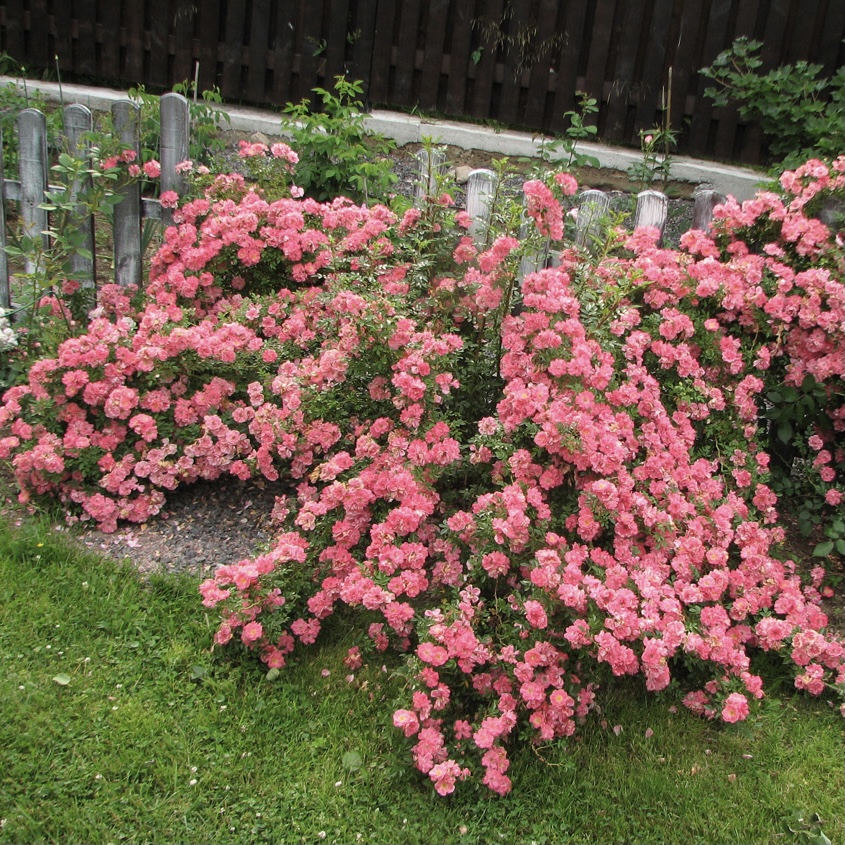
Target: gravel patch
{"x":202,"y":526}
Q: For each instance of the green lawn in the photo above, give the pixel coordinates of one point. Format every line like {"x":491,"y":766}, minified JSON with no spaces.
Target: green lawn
{"x":120,"y":725}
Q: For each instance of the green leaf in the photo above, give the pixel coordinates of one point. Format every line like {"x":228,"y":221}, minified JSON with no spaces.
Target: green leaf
{"x":839,"y":545}
{"x":785,"y":431}
{"x":272,"y":674}
{"x":352,"y":761}
{"x":823,"y":549}
{"x":62,"y":680}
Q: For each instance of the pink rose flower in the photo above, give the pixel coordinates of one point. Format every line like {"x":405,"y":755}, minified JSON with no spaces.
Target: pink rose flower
{"x":735,"y":708}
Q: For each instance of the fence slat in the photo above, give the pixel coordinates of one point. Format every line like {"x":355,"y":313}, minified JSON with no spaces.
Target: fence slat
{"x":158,"y":29}
{"x":621,"y":70}
{"x":652,"y":208}
{"x":382,"y":43}
{"x":363,"y":31}
{"x":283,"y":44}
{"x":32,"y":164}
{"x":62,"y":48}
{"x":313,"y":22}
{"x":728,"y":129}
{"x":127,"y":213}
{"x":183,"y":42}
{"x":78,"y":122}
{"x":654,"y":76}
{"x":15,"y":43}
{"x":110,"y":44}
{"x":259,"y":32}
{"x":459,"y":58}
{"x":717,"y":36}
{"x":600,"y":27}
{"x":773,"y":38}
{"x":38,"y":33}
{"x":543,"y":68}
{"x":704,"y":201}
{"x":437,"y":12}
{"x":533,"y":261}
{"x":566,"y":77}
{"x":409,"y":27}
{"x":485,"y":67}
{"x":133,"y":25}
{"x":686,"y":44}
{"x":174,"y":144}
{"x":799,"y":32}
{"x":233,"y":34}
{"x":830,"y":39}
{"x":184,"y":21}
{"x":336,"y":32}
{"x":5,"y":290}
{"x":481,"y":187}
{"x":429,"y":167}
{"x":209,"y":36}
{"x":593,"y":206}
{"x":85,"y":12}
{"x":520,"y":16}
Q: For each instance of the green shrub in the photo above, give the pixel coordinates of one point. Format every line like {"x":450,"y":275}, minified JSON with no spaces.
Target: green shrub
{"x":338,"y":155}
{"x":801,"y":114}
{"x":563,"y":152}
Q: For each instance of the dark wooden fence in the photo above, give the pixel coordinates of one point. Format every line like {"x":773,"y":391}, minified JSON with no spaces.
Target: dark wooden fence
{"x":518,"y":62}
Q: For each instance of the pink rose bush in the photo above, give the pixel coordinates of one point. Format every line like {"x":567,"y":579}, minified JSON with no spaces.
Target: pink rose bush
{"x":524,"y":487}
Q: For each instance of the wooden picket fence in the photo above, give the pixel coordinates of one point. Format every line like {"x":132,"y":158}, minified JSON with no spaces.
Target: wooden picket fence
{"x":32,"y":187}
{"x":593,"y":205}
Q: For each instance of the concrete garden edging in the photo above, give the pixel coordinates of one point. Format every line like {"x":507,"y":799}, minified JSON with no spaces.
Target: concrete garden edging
{"x":740,"y":182}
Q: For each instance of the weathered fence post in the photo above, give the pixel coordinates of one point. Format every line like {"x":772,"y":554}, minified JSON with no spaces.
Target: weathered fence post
{"x":832,"y":211}
{"x":702,"y":210}
{"x":652,"y":207}
{"x":127,"y":213}
{"x":33,"y":166}
{"x":430,"y":164}
{"x":481,"y":187}
{"x":533,"y":261}
{"x":174,"y":112}
{"x":78,"y":122}
{"x":593,"y":206}
{"x":5,"y":289}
